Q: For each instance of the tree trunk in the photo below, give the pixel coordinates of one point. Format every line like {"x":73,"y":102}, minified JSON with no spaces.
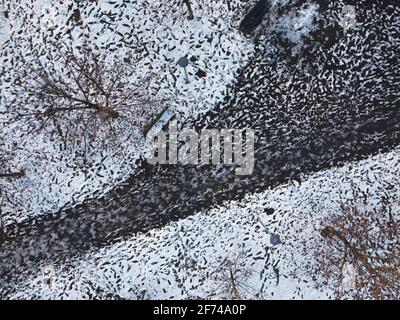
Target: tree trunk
{"x":12,"y":174}
{"x":189,"y":8}
{"x":234,"y":291}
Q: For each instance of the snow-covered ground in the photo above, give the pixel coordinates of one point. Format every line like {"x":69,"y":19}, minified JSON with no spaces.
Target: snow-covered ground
{"x":344,"y":100}
{"x":158,"y":34}
{"x":190,"y":258}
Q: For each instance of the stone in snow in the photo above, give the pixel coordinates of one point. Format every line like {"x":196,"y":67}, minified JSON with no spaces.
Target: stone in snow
{"x":183,"y":62}
{"x":275,"y":239}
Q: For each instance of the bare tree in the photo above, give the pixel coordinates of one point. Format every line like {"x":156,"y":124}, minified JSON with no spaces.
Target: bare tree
{"x":360,"y":253}
{"x":79,"y":95}
{"x":233,"y":279}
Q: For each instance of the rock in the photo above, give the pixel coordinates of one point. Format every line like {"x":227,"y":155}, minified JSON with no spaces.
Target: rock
{"x":275,"y":239}
{"x":269,"y":211}
{"x":200,"y":73}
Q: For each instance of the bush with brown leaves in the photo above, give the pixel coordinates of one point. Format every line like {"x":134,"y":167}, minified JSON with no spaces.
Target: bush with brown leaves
{"x":365,"y":244}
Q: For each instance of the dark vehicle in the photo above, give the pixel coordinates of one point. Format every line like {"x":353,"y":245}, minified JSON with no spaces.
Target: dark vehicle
{"x":252,"y":20}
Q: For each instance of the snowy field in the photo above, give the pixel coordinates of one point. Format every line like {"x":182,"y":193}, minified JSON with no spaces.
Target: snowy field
{"x":324,"y":104}
{"x":189,"y":258}
{"x":157,"y":34}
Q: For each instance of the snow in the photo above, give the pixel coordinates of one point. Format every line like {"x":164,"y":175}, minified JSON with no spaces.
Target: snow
{"x":55,"y":179}
{"x":296,"y":25}
{"x":188,"y":258}
{"x":315,"y":108}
